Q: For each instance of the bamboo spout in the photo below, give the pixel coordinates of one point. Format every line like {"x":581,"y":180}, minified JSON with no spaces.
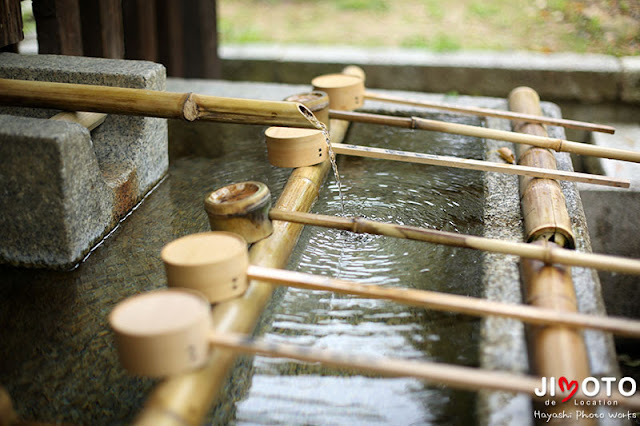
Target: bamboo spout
{"x":118,"y":100}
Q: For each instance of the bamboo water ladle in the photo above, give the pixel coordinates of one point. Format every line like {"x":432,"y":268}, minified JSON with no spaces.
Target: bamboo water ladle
{"x":245,"y":208}
{"x":167,"y":332}
{"x":337,"y":82}
{"x":216,"y":265}
{"x":290,"y":147}
{"x":118,"y":100}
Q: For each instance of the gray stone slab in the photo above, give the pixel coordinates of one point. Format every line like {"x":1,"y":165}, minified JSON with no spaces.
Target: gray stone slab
{"x":631,"y":79}
{"x":124,"y":158}
{"x":556,"y":76}
{"x":55,"y":203}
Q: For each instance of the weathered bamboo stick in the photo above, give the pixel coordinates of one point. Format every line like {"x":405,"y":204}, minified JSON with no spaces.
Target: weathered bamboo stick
{"x":487,"y":112}
{"x":483,"y":132}
{"x":459,"y":377}
{"x":118,"y":100}
{"x":484,"y":112}
{"x":446,"y":302}
{"x":545,"y":253}
{"x":90,"y":120}
{"x":549,"y":286}
{"x":470,"y":164}
{"x":185,"y":399}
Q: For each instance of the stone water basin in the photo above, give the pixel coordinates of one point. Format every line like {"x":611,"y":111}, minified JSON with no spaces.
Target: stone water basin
{"x":59,"y":362}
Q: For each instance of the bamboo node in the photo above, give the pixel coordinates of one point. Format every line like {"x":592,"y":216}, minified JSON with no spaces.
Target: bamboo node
{"x":358,"y":225}
{"x":190,"y":108}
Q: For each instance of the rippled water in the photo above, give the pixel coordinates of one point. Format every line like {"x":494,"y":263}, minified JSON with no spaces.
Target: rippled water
{"x":285,"y":392}
{"x":58,"y":358}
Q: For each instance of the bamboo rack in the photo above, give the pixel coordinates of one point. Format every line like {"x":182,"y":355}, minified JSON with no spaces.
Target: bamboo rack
{"x":483,"y":132}
{"x":546,"y":253}
{"x":446,"y":302}
{"x":548,"y":286}
{"x":186,"y":399}
{"x":150,"y":103}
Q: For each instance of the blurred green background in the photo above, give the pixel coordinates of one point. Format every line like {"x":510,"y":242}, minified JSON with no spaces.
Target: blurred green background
{"x":584,"y":26}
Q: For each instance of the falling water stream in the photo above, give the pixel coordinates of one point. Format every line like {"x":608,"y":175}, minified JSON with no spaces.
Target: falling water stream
{"x":332,"y":156}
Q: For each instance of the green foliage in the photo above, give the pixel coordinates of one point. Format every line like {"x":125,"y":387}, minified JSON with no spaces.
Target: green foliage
{"x":484,"y":9}
{"x":362,"y":5}
{"x":445,"y":43}
{"x":233,"y":32}
{"x":415,"y":41}
{"x":595,"y":26}
{"x":440,"y":43}
{"x":434,"y":9}
{"x":28,"y":21}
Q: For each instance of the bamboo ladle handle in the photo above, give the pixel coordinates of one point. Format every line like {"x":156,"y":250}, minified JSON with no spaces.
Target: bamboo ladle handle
{"x":556,"y":144}
{"x":216,"y":265}
{"x":454,"y":376}
{"x":483,"y":112}
{"x":545,"y":253}
{"x":238,"y":208}
{"x":290,"y":147}
{"x":447,"y":302}
{"x":167,"y":332}
{"x":481,"y":165}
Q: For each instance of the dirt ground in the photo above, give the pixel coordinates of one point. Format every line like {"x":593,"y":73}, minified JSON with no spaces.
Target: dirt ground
{"x":585,"y":26}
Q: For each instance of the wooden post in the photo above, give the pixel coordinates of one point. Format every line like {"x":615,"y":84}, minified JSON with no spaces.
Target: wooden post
{"x":58,"y":27}
{"x":170,"y":36}
{"x":140,"y":30}
{"x":102,"y":28}
{"x":200,"y":39}
{"x":555,"y":351}
{"x":10,"y":22}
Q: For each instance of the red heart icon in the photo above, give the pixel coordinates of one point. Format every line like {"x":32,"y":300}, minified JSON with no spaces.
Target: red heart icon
{"x":562,"y":382}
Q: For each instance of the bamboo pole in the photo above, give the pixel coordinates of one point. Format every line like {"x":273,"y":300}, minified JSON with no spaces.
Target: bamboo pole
{"x":481,"y":165}
{"x":459,"y":377}
{"x":547,"y":219}
{"x":186,"y":399}
{"x":118,"y":100}
{"x":487,"y":112}
{"x":446,"y":302}
{"x":546,"y":253}
{"x":483,"y":132}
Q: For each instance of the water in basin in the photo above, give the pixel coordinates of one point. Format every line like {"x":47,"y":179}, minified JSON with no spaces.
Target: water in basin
{"x":58,"y":359}
{"x":285,"y":392}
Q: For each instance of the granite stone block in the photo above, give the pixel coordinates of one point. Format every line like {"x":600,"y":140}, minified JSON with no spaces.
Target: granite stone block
{"x":99,"y":179}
